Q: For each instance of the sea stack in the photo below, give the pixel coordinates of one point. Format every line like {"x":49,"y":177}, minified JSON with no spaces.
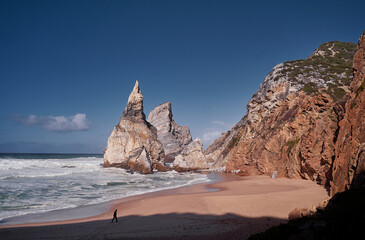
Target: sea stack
{"x":172,"y":136}
{"x":180,"y":150}
{"x":133,"y":144}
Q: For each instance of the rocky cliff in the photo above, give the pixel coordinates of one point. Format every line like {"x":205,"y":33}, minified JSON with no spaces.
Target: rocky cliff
{"x":180,"y":149}
{"x":343,"y":216}
{"x":349,"y":164}
{"x":133,"y":143}
{"x":291,"y":124}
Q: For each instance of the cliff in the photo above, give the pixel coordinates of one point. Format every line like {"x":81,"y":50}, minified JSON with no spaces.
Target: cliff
{"x":343,"y":217}
{"x":349,"y":164}
{"x":133,"y":143}
{"x":291,"y":124}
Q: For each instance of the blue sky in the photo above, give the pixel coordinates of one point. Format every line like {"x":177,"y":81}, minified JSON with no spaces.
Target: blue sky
{"x":67,"y":67}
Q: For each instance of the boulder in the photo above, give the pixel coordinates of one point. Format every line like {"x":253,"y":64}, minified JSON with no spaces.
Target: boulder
{"x":191,"y":158}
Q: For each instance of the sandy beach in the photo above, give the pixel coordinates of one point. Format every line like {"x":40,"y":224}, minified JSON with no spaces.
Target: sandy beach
{"x":235,"y":208}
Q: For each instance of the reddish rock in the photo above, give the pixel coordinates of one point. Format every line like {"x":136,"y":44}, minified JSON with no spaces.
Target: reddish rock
{"x":350,"y":145}
{"x":291,"y":124}
{"x":295,"y":139}
{"x":301,"y":212}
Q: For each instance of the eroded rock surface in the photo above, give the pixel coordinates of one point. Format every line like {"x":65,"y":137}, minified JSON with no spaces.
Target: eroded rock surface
{"x":180,"y":150}
{"x":133,"y":143}
{"x":292,"y":121}
{"x":191,"y":157}
{"x":350,"y":146}
{"x":172,"y":136}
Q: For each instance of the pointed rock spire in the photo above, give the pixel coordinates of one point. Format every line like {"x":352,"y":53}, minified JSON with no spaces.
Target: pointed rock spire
{"x":134,"y":108}
{"x":133,"y":144}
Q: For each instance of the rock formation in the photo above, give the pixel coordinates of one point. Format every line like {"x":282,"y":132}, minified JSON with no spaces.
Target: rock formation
{"x":172,"y":136}
{"x":133,"y":144}
{"x":191,"y":157}
{"x":349,"y":164}
{"x":342,"y":216}
{"x":292,"y":120}
{"x":179,"y":148}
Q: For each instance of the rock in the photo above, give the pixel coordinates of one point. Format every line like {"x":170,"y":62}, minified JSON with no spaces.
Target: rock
{"x":291,"y":121}
{"x":133,"y":143}
{"x":301,"y":123}
{"x":139,"y":161}
{"x":322,"y":205}
{"x":134,"y":108}
{"x":312,"y":210}
{"x":191,"y":158}
{"x":341,"y":160}
{"x":160,"y":167}
{"x":302,"y":212}
{"x":299,"y":213}
{"x":349,"y":161}
{"x":172,"y":136}
{"x":185,"y":154}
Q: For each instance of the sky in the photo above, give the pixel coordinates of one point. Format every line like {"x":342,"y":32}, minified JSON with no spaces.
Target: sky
{"x":67,"y":67}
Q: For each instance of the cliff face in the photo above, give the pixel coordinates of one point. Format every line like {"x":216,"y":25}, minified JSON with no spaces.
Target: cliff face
{"x":180,"y":149}
{"x":292,"y":120}
{"x":349,"y":164}
{"x":133,"y":144}
{"x":172,"y":136}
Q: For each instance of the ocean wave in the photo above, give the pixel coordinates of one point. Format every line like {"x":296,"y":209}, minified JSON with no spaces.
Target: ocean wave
{"x":43,"y":164}
{"x":116,"y":183}
{"x":65,"y":183}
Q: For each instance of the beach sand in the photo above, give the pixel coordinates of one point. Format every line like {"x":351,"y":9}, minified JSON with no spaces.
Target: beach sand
{"x":235,"y":208}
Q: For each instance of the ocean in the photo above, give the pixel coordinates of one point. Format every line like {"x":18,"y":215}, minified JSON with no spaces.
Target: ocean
{"x":38,"y":183}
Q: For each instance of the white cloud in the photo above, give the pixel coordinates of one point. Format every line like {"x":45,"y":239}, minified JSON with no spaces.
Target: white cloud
{"x":222,"y":124}
{"x":219,"y":122}
{"x":209,"y":137}
{"x":56,"y":123}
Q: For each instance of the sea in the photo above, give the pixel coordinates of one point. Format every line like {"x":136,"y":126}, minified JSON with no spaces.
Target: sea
{"x":39,"y":183}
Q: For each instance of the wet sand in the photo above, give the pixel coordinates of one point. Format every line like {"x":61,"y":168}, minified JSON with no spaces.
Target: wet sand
{"x":234,"y":208}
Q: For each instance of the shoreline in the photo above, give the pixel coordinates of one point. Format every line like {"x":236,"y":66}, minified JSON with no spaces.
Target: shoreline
{"x":97,"y":209}
{"x":234,"y":205}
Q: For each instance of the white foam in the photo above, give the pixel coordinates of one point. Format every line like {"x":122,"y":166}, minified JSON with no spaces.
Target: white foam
{"x":40,"y":185}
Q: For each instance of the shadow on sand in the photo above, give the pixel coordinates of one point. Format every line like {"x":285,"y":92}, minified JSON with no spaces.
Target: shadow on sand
{"x":163,"y":226}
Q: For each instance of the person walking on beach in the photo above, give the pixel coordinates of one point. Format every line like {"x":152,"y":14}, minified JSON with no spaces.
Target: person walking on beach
{"x":115,"y":216}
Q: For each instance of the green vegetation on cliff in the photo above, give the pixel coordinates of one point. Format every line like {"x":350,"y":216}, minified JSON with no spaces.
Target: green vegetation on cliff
{"x":290,"y":144}
{"x":329,"y":68}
